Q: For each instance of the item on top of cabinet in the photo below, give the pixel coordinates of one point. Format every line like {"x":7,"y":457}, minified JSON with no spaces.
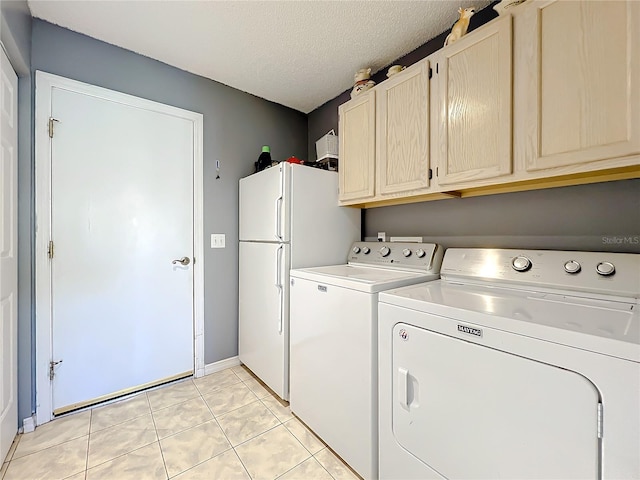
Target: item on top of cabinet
{"x":327,"y":146}
{"x":294,"y":159}
{"x":461,"y":26}
{"x":264,"y":160}
{"x":393,"y":69}
{"x":363,"y":82}
{"x":505,"y":5}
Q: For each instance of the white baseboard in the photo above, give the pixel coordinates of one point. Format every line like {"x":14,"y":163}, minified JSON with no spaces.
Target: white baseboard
{"x":221,"y":365}
{"x":28,"y":425}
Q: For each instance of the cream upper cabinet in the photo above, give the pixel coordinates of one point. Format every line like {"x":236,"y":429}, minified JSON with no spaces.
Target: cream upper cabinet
{"x":580,"y":67}
{"x":402,"y":131}
{"x":474,"y":119}
{"x":357,"y":148}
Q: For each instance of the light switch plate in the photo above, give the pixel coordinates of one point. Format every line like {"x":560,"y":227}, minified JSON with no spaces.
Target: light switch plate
{"x":217,"y":240}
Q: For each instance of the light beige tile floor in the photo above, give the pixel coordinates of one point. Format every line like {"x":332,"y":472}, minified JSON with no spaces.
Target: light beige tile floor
{"x":224,"y":426}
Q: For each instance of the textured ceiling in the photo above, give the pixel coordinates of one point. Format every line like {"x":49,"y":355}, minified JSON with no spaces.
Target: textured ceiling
{"x":296,"y":53}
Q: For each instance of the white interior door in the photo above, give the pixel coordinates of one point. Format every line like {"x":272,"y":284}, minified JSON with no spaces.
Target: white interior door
{"x":121,"y":213}
{"x":469,"y":411}
{"x":8,"y":255}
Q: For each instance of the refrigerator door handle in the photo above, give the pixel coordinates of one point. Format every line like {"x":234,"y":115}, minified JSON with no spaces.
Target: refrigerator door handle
{"x":278,"y":282}
{"x":279,"y":217}
{"x":279,"y":286}
{"x":279,"y":207}
{"x":280,"y":294}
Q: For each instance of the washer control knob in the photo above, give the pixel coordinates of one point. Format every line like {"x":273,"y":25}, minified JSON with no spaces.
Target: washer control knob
{"x":385,"y":251}
{"x":356,"y":250}
{"x":406,"y":252}
{"x":521,"y":263}
{"x":572,"y":266}
{"x":420,"y":253}
{"x":366,"y":250}
{"x":605,"y":268}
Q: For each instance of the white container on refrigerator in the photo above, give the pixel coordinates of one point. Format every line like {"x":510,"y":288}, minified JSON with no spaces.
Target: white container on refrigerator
{"x":289,"y":218}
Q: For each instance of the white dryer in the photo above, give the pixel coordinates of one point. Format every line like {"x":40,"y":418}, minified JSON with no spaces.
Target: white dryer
{"x":515,"y":365}
{"x":333,"y":342}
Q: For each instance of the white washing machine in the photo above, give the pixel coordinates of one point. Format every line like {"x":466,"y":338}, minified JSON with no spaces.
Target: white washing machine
{"x":515,"y":365}
{"x":334,"y":343}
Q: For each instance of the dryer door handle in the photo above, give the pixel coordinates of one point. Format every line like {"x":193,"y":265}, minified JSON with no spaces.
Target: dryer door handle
{"x":403,"y":387}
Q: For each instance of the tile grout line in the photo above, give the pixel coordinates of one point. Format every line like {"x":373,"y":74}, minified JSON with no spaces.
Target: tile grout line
{"x":15,"y":449}
{"x":174,"y":404}
{"x":210,"y":392}
{"x":233,"y":447}
{"x":322,"y":464}
{"x":231,"y":371}
{"x":121,"y":455}
{"x":12,"y":451}
{"x":164,"y":462}
{"x":124,"y":421}
{"x":126,"y":453}
{"x":216,"y":421}
{"x":86,"y":461}
{"x":324,"y":445}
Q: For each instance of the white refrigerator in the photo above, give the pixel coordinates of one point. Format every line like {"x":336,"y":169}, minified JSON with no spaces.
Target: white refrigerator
{"x":289,"y":218}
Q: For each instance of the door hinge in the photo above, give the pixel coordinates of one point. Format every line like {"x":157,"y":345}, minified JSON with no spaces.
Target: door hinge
{"x":51,"y":120}
{"x":50,"y":249}
{"x":52,"y":366}
{"x":599,"y":420}
{"x":430,"y":174}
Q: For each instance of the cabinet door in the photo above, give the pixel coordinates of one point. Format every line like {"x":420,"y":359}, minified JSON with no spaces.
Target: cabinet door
{"x":474,"y":77}
{"x":402,"y":131}
{"x":582,"y":102}
{"x":357,"y":147}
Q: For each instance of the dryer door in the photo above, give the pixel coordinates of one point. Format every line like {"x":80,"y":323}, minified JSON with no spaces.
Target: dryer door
{"x":470,"y":411}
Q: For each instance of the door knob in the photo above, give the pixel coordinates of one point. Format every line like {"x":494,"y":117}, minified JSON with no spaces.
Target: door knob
{"x":183,"y":261}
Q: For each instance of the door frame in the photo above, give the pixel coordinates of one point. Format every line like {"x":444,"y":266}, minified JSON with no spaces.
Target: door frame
{"x":11,"y":413}
{"x":43,"y":305}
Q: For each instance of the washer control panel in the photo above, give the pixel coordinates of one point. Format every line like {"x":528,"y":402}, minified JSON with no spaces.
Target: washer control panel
{"x":418,"y":256}
{"x":597,"y":272}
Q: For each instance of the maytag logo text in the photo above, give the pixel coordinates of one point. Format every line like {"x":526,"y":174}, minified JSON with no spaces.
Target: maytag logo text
{"x":470,"y":330}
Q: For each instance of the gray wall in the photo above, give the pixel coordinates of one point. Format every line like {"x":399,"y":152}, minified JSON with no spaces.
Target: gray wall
{"x":236,"y":125}
{"x":15,"y":31}
{"x":598,"y":217}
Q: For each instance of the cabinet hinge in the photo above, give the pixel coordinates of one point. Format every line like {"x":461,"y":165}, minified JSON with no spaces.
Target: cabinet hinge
{"x":430,"y":174}
{"x":50,"y":249}
{"x":599,"y":420}
{"x":51,"y":120}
